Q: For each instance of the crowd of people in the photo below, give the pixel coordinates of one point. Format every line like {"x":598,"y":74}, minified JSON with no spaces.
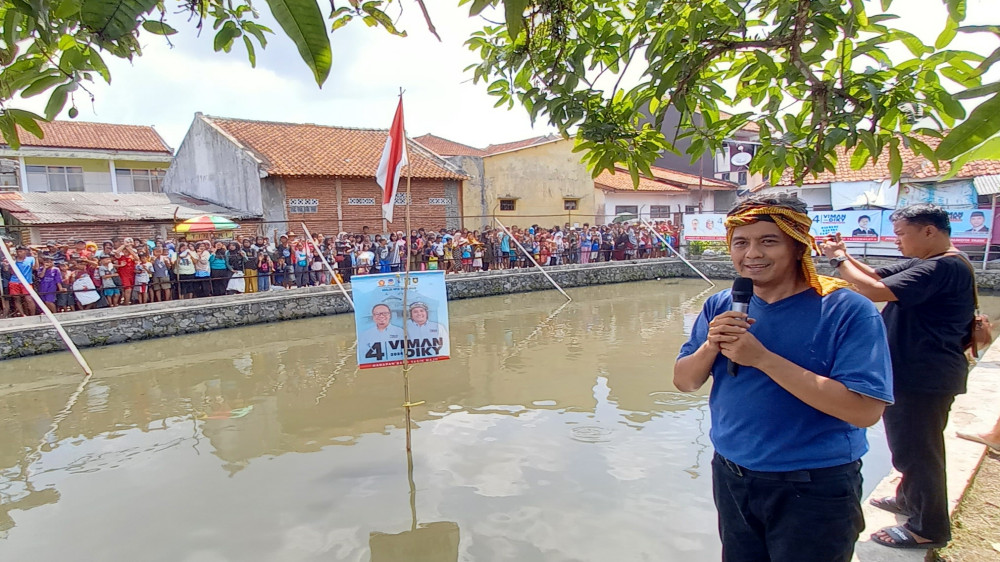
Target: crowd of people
{"x":82,"y":275}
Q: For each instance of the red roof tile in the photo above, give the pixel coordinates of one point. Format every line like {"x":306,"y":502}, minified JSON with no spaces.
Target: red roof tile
{"x":96,"y":136}
{"x":445,"y":147}
{"x":508,"y":146}
{"x":306,"y":150}
{"x":663,"y":180}
{"x":915,"y":166}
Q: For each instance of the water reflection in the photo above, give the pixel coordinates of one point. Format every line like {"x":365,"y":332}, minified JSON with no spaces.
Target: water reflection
{"x":553,"y":434}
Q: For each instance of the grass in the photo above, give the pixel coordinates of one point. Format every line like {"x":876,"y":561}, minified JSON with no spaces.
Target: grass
{"x":976,"y":523}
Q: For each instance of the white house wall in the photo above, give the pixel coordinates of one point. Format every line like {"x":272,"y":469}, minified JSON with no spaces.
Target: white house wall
{"x":644,"y":200}
{"x":813,"y":195}
{"x":210,"y":166}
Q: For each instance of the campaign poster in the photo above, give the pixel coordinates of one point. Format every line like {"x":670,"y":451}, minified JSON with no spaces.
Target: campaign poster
{"x":705,"y":226}
{"x":381,"y":320}
{"x":969,"y":227}
{"x":959,"y":194}
{"x":853,"y":226}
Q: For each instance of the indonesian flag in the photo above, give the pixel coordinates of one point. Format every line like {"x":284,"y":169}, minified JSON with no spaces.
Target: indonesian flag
{"x":392,"y":162}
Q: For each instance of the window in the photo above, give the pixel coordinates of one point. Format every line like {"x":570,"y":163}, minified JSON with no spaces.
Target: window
{"x":741,"y":178}
{"x":691,"y":209}
{"x":659,"y":211}
{"x":303,"y":205}
{"x":402,"y":199}
{"x":8,"y":181}
{"x":54,"y":178}
{"x":570,"y":204}
{"x":724,"y":176}
{"x":626,"y":212}
{"x":508,"y":204}
{"x":139,"y":181}
{"x":360,"y":200}
{"x":439,"y":201}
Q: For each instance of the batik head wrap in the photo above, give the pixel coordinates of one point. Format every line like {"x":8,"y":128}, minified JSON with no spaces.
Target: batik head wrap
{"x":794,"y":224}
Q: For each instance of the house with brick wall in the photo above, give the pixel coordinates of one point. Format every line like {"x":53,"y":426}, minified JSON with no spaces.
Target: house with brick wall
{"x":323,"y":176}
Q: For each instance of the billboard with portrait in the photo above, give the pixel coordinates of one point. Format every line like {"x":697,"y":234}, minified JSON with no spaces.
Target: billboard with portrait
{"x":853,"y":226}
{"x":705,"y":226}
{"x":969,"y":227}
{"x":381,"y":320}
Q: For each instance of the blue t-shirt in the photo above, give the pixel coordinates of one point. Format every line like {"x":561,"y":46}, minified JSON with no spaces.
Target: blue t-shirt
{"x":505,"y":244}
{"x":27,"y":268}
{"x":761,"y":426}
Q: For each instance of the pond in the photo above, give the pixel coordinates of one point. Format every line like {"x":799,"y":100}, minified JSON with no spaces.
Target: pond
{"x":553,"y":434}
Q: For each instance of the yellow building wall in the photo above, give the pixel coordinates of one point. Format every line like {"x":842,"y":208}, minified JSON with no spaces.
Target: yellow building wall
{"x":88,"y":164}
{"x":540,"y":178}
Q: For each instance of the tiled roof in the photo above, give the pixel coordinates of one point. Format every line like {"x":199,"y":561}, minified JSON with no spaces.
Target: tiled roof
{"x":749,"y":126}
{"x":915,"y":166}
{"x":663,"y":180}
{"x":305,"y":150}
{"x":508,"y":146}
{"x":96,"y":136}
{"x":445,"y":147}
{"x":71,"y":207}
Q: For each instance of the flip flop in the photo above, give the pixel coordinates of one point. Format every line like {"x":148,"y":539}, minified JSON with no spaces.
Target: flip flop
{"x":903,"y":538}
{"x":889,"y":504}
{"x":978,"y":439}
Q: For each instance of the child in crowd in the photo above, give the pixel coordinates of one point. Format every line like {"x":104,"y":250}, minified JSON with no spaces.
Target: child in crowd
{"x":280,"y":279}
{"x":84,"y":289}
{"x":108,"y":275}
{"x":264,"y":269}
{"x":64,"y":298}
{"x":143,"y":273}
{"x":48,"y":286}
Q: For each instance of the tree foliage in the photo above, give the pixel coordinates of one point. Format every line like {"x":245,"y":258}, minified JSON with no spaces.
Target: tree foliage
{"x":814,"y":74}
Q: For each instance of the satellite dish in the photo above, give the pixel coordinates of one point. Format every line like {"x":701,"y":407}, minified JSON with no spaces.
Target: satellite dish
{"x":741,"y":158}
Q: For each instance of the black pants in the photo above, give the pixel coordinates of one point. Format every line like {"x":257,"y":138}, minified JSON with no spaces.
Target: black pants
{"x":914,"y":427}
{"x":220,"y":280}
{"x":801,"y":516}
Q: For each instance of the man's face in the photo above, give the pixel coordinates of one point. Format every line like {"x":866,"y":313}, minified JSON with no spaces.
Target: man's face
{"x":382,"y":315}
{"x":765,"y":254}
{"x":911,"y":239}
{"x":863,"y":223}
{"x":418,"y":315}
{"x":977,"y":221}
{"x":694,"y":224}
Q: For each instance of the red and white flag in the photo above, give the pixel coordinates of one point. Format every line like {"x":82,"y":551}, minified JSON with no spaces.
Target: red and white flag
{"x":392,"y":162}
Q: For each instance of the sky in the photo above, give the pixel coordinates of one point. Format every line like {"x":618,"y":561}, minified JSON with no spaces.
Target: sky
{"x":167,"y":85}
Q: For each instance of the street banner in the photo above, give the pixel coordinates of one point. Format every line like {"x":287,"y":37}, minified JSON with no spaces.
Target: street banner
{"x":959,"y":194}
{"x":853,"y":226}
{"x":380,"y":319}
{"x":705,"y":226}
{"x":969,"y":227}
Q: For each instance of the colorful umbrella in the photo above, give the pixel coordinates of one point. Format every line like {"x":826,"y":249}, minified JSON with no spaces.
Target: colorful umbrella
{"x":206,"y":223}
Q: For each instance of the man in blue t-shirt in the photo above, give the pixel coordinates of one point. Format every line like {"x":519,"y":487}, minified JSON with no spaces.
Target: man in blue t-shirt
{"x":20,"y":297}
{"x":814,"y":370}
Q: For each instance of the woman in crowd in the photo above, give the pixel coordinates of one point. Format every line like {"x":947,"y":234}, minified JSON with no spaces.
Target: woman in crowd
{"x":265,"y":268}
{"x":219,"y":269}
{"x":185,"y":271}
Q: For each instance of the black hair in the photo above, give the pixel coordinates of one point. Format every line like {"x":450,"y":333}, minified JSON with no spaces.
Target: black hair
{"x":864,"y":217}
{"x":924,"y":214}
{"x":785,"y":200}
{"x":977,"y":214}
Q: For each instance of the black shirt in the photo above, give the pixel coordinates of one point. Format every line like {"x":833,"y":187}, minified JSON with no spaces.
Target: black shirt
{"x":930,"y":323}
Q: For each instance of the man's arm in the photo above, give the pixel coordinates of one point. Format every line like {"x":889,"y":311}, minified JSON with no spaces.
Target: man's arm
{"x":822,"y":393}
{"x":692,"y":372}
{"x":864,"y":278}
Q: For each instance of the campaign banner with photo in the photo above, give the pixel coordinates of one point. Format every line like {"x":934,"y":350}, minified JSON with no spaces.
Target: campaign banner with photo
{"x":380,"y":318}
{"x":705,"y":226}
{"x":968,"y":226}
{"x":853,"y":226}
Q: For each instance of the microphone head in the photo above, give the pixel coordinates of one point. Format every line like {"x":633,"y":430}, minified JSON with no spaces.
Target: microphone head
{"x":742,"y":289}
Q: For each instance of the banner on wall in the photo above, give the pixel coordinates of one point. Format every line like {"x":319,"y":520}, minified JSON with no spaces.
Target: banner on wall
{"x":968,"y":226}
{"x":379,"y":318}
{"x":705,"y":226}
{"x":853,"y":226}
{"x":949,"y":195}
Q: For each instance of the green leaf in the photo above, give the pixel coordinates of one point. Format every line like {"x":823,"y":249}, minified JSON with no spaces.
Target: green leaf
{"x":67,"y":9}
{"x":303,"y":22}
{"x":42,"y":84}
{"x":514,"y":10}
{"x":251,"y":54}
{"x":895,"y":160}
{"x":57,"y":101}
{"x":950,"y":30}
{"x":9,"y":131}
{"x":633,"y":170}
{"x":478,"y":6}
{"x":224,"y":38}
{"x":956,"y":9}
{"x":983,"y":123}
{"x":97,"y":63}
{"x":382,"y":18}
{"x":979,"y":92}
{"x":158,"y":27}
{"x":989,"y":150}
{"x":113,"y":19}
{"x":27,"y":120}
{"x":886,"y":4}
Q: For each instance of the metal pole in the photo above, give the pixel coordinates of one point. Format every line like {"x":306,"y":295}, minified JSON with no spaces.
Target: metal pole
{"x":986,"y":253}
{"x":532,"y":258}
{"x":671,"y":248}
{"x":48,"y":314}
{"x":330,"y":269}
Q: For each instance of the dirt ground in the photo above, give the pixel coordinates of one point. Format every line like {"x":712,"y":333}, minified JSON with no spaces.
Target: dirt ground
{"x":976,"y":524}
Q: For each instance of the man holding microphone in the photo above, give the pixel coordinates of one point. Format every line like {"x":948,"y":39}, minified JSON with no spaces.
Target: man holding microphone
{"x":813,"y":371}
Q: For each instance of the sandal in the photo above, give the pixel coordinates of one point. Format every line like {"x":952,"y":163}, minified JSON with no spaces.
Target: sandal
{"x":889,"y":504}
{"x":903,"y":538}
{"x":978,"y":439}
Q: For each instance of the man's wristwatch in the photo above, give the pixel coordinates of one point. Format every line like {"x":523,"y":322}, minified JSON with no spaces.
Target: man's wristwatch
{"x":835,"y":262}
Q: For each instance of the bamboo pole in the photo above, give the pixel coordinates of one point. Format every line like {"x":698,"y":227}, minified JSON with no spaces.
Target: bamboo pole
{"x":406,"y":336}
{"x":532,"y":258}
{"x":671,"y":248}
{"x":333,"y":273}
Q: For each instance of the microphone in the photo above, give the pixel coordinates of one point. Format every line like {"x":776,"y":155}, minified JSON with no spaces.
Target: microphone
{"x":742,"y":291}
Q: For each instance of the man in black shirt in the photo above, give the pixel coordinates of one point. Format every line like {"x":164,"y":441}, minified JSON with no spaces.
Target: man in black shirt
{"x":931,"y":303}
